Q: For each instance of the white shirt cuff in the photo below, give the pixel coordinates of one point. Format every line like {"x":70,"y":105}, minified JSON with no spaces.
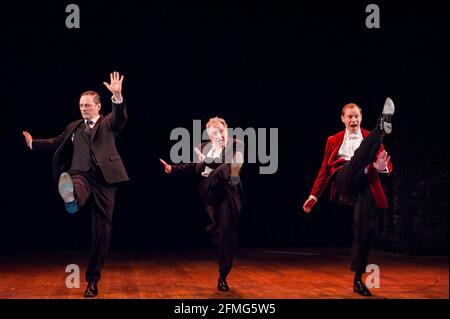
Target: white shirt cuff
{"x":116,"y":101}
{"x":312,"y":197}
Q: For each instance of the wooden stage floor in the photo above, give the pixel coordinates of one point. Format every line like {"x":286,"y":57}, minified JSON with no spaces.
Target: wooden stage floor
{"x":316,"y":273}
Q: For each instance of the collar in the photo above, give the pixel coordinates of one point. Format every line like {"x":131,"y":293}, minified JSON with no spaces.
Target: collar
{"x":353,"y":135}
{"x":95,"y":119}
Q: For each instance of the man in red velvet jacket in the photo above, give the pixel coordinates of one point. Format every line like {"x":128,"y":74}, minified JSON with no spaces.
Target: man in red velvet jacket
{"x":353,"y":160}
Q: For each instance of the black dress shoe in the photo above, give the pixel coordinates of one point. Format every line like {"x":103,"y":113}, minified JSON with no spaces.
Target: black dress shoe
{"x":360,"y":288}
{"x":222,"y":284}
{"x":91,"y":290}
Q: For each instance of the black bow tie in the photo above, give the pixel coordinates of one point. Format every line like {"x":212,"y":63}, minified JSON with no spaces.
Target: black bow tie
{"x":88,"y":125}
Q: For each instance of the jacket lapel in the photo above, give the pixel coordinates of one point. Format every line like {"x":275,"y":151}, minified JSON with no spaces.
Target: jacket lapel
{"x":71,"y":130}
{"x":67,"y":137}
{"x":95,"y":129}
{"x":205,"y":147}
{"x":339,"y":139}
{"x":364,"y":133}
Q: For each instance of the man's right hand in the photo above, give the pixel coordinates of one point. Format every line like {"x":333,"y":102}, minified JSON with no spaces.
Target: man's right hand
{"x":308,"y":205}
{"x":167,"y":167}
{"x":28,"y":138}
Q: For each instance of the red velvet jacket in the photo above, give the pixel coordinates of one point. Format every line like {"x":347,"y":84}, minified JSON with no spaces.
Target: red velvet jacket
{"x":331,"y":164}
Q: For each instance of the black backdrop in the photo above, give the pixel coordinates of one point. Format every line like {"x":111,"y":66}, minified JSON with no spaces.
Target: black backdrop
{"x":287,"y":66}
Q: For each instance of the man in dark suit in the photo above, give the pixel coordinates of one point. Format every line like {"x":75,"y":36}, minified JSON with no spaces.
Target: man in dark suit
{"x":217,"y":172}
{"x":353,"y":160}
{"x":88,"y":165}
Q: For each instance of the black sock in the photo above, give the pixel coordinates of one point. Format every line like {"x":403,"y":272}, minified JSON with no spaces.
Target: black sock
{"x":358,"y":276}
{"x":222,"y":276}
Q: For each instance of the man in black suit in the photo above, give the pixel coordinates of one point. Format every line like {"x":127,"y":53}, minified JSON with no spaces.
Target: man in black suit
{"x":88,"y":165}
{"x":217,"y":172}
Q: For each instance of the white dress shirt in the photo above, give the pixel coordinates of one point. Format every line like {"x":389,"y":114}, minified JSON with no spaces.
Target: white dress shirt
{"x":351,"y":142}
{"x":213,"y":152}
{"x":91,"y":126}
{"x":95,"y":119}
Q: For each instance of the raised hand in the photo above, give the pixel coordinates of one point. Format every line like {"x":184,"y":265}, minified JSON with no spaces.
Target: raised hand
{"x":115,"y":86}
{"x":28,"y":138}
{"x":167,"y":167}
{"x":200,"y":155}
{"x":308,"y":205}
{"x":382,"y":161}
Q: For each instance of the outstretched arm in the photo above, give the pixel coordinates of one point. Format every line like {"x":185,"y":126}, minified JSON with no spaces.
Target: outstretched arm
{"x":167,"y":167}
{"x":321,"y":180}
{"x":28,"y":139}
{"x":178,"y":168}
{"x":309,"y":203}
{"x":50,"y":144}
{"x":119,"y":113}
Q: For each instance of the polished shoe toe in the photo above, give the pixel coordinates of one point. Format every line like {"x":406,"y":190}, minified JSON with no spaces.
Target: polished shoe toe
{"x":91,"y":290}
{"x":361,"y":289}
{"x":222,"y":285}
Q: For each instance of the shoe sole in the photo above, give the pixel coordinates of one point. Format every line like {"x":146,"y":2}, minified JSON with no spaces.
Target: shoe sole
{"x":65,"y":188}
{"x":361,"y":294}
{"x":388,"y":111}
{"x":389,"y":107}
{"x":387,"y":128}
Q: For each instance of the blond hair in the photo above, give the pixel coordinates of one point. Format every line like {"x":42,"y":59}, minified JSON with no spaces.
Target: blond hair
{"x":216,"y":120}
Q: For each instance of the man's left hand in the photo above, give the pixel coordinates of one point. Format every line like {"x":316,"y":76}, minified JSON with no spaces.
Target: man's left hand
{"x":381,"y":164}
{"x":115,"y":86}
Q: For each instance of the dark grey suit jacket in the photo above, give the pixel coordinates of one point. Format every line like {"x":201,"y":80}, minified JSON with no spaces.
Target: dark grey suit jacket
{"x":104,"y":148}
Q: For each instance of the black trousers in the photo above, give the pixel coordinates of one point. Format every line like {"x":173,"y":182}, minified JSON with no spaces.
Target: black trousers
{"x":223,"y":202}
{"x":351,"y":182}
{"x":92,"y":186}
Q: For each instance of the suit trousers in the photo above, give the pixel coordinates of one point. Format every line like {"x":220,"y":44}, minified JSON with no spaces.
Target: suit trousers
{"x":92,"y":186}
{"x":352,"y":182}
{"x":223,"y":202}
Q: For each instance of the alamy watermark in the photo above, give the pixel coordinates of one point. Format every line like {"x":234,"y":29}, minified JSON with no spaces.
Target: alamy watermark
{"x":373,"y":278}
{"x":73,"y":278}
{"x":261,"y":146}
{"x":373,"y":19}
{"x":73,"y":19}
